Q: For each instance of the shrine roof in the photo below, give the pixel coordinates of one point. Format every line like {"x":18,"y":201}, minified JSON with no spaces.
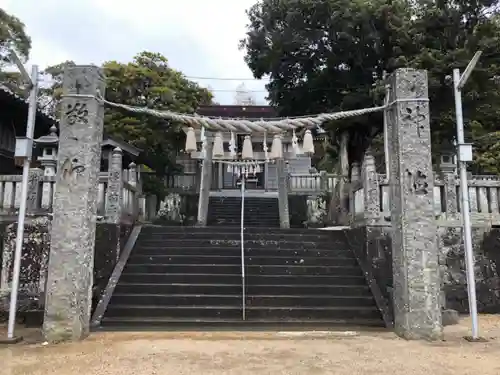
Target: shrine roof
{"x":15,"y":107}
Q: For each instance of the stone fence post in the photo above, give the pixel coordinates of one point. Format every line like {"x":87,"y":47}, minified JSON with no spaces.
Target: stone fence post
{"x":283,"y":187}
{"x":371,"y":189}
{"x":132,"y":174}
{"x":71,"y":261}
{"x":205,"y":182}
{"x":114,"y":192}
{"x":134,"y":196}
{"x":355,"y":178}
{"x":450,"y":194}
{"x":33,"y":201}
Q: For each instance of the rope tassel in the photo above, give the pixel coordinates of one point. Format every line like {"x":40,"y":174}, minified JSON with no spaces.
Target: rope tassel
{"x":203,"y":143}
{"x":264,"y":147}
{"x":308,"y":144}
{"x":277,"y":147}
{"x":190,"y":140}
{"x":247,"y":152}
{"x":232,"y":146}
{"x":295,"y":143}
{"x":218,"y":151}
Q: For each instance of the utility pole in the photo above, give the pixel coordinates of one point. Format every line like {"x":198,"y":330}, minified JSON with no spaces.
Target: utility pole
{"x":465,"y":156}
{"x":23,"y":152}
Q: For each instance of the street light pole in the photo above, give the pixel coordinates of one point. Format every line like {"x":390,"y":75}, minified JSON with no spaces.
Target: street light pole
{"x":465,"y":156}
{"x":24,"y":146}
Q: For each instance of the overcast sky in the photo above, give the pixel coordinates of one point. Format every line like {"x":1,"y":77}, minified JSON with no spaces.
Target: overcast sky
{"x":199,"y":37}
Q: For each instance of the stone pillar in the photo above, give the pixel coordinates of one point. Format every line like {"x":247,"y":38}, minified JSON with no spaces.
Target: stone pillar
{"x":355,"y":177}
{"x":33,"y":200}
{"x":132,"y":174}
{"x":417,"y":312}
{"x":114,"y":192}
{"x":151,"y":207}
{"x":70,"y":272}
{"x":206,"y":183}
{"x":266,"y":177}
{"x":114,"y":204}
{"x":371,"y":189}
{"x":344,"y":171}
{"x":450,"y":194}
{"x":283,"y":193}
{"x":9,"y":195}
{"x":220,"y":176}
{"x":133,"y":196}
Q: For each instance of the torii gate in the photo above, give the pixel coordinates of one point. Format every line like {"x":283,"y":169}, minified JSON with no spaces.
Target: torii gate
{"x":414,"y":241}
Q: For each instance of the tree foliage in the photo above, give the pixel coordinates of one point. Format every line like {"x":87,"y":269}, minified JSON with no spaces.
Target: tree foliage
{"x":12,"y":37}
{"x":330,"y":55}
{"x":147,"y":81}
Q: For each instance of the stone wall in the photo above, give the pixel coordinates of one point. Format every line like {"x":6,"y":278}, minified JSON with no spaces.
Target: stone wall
{"x":36,"y":246}
{"x":3,"y":227}
{"x":486,"y":245}
{"x":297,"y":210}
{"x":107,"y":252}
{"x":373,"y":245}
{"x":110,"y":239}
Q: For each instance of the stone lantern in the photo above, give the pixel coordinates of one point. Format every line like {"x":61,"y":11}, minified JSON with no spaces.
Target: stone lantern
{"x":448,"y":158}
{"x":49,"y":144}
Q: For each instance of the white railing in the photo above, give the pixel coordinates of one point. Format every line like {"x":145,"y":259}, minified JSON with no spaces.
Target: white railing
{"x":312,"y":182}
{"x":483,"y":198}
{"x":10,"y":194}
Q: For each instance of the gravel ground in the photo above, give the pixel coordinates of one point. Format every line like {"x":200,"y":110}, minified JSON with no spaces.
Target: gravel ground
{"x":244,"y":353}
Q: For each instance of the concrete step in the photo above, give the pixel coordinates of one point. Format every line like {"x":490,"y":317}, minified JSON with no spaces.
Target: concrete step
{"x":236,"y":289}
{"x":238,"y":324}
{"x":255,"y":280}
{"x":221,"y":269}
{"x":290,"y":301}
{"x":250,"y":260}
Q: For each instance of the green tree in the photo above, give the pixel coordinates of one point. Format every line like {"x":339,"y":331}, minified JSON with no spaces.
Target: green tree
{"x":12,"y":37}
{"x":330,"y":55}
{"x":147,"y":81}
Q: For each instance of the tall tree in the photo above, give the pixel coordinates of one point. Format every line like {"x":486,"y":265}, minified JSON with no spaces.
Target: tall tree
{"x":12,"y":37}
{"x":330,"y":55}
{"x":147,"y":81}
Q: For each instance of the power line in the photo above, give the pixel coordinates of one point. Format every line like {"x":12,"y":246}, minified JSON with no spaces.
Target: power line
{"x":310,"y":89}
{"x":50,"y":81}
{"x":234,"y":91}
{"x":226,"y":78}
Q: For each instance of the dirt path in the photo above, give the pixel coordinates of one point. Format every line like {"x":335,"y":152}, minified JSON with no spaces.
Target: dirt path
{"x":259,"y":353}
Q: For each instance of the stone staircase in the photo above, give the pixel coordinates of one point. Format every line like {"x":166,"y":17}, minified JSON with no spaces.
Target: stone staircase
{"x":259,"y":212}
{"x":180,"y":277}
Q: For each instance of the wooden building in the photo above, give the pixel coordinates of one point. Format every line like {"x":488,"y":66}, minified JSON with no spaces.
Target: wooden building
{"x":13,"y":119}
